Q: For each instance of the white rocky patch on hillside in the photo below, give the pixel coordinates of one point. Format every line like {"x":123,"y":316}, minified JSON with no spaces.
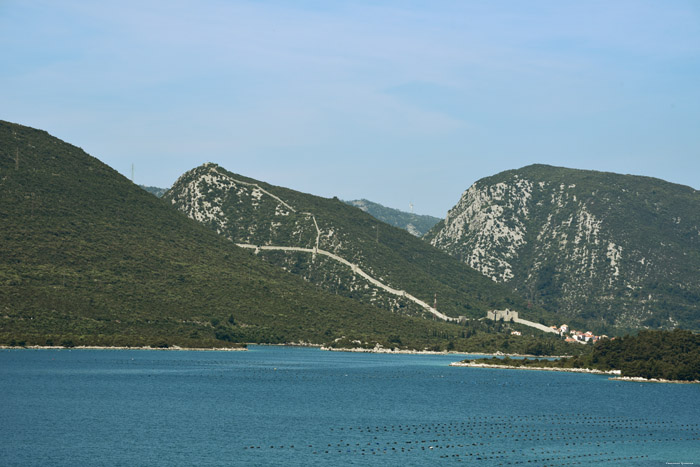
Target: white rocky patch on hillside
{"x":586,"y":239}
{"x":412,"y":230}
{"x":614,"y":255}
{"x":588,"y":227}
{"x":257,"y":194}
{"x":280,"y":210}
{"x":196,"y":201}
{"x":487,"y":226}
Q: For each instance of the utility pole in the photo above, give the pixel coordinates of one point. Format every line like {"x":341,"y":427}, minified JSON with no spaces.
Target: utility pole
{"x":14,"y":134}
{"x":132,"y":173}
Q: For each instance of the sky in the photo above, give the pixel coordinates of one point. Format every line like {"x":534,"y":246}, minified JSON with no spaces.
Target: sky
{"x":397,"y":102}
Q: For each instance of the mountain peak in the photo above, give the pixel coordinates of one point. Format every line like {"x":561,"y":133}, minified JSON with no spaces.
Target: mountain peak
{"x":616,"y":248}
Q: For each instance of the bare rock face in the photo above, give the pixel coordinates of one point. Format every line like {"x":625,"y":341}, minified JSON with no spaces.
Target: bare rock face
{"x":620,"y":250}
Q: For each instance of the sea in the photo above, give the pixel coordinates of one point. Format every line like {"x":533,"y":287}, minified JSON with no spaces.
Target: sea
{"x":295,"y":406}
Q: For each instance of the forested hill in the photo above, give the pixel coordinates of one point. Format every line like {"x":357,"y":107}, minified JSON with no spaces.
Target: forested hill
{"x":666,"y":355}
{"x":254,"y":213}
{"x":670,"y":355}
{"x":415,"y":224}
{"x":619,"y":251}
{"x":90,"y":258}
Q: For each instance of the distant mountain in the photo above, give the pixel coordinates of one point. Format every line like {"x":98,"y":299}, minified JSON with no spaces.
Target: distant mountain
{"x":337,"y":246}
{"x":90,"y":258}
{"x":415,"y":224}
{"x":621,"y":251}
{"x":154,"y":190}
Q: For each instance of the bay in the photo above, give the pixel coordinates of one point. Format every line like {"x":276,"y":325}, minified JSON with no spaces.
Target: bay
{"x":303,"y":406}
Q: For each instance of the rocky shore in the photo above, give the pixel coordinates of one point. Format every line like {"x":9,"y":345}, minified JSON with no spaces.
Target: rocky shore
{"x":652,"y":380}
{"x":616,"y":373}
{"x":539,"y":368}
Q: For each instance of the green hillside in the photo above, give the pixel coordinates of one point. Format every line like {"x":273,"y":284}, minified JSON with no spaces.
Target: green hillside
{"x":90,"y":258}
{"x":252,"y":212}
{"x":415,"y":224}
{"x":669,"y":355}
{"x":620,"y":252}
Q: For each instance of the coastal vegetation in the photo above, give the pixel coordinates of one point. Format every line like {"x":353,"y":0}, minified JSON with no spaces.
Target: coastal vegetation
{"x":471,"y":336}
{"x":667,"y":355}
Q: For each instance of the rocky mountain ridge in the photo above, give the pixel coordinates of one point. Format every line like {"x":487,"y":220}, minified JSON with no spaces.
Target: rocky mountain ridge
{"x":620,"y":250}
{"x":336,"y":246}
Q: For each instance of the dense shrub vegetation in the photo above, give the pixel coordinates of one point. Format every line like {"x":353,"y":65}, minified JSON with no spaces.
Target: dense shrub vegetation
{"x":671,"y":355}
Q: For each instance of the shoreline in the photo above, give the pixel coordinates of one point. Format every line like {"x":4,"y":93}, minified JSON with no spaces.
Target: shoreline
{"x":377,"y":350}
{"x":382,"y":350}
{"x":102,"y":347}
{"x":616,"y":373}
{"x":433,"y":352}
{"x":638,"y":379}
{"x":537,"y":368}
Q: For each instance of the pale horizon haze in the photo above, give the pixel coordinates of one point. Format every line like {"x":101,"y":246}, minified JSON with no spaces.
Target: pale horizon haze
{"x":397,"y":102}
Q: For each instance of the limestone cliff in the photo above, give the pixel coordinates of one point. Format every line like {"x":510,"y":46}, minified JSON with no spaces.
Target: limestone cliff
{"x":619,"y":250}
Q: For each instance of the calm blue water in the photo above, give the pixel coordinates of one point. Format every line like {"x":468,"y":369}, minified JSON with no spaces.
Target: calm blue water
{"x":300,"y":406}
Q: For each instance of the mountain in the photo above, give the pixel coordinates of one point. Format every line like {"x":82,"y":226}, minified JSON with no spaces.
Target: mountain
{"x":89,"y":258}
{"x":154,"y":190}
{"x":620,"y":251}
{"x":415,"y":224}
{"x":338,"y":247}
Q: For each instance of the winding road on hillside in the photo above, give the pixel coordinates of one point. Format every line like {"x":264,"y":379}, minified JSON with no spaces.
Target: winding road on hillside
{"x":317,"y":251}
{"x":354,"y":267}
{"x":356,"y":270}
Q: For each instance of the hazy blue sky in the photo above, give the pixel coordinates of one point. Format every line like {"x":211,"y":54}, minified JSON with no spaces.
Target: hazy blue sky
{"x":394,"y":101}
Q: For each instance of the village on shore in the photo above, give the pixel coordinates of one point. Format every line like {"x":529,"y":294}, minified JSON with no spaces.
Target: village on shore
{"x":572,"y":335}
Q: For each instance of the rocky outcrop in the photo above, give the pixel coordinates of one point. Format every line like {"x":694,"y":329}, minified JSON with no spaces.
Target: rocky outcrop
{"x":618,"y":250}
